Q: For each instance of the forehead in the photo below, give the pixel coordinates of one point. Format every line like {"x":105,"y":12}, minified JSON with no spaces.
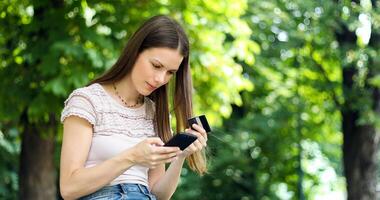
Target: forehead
{"x":170,"y":58}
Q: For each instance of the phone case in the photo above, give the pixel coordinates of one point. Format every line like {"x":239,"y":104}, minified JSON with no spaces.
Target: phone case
{"x":181,"y":140}
{"x":201,"y":121}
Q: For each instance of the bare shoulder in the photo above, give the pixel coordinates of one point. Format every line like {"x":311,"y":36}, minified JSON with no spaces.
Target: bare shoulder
{"x":77,"y":131}
{"x":76,"y":143}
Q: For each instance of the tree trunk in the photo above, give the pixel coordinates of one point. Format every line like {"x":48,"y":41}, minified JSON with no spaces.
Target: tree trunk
{"x":359,"y":152}
{"x":37,"y":171}
{"x":360,"y":144}
{"x":37,"y":175}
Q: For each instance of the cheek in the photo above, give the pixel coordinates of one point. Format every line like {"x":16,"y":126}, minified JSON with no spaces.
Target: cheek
{"x":142,"y":70}
{"x":168,"y":78}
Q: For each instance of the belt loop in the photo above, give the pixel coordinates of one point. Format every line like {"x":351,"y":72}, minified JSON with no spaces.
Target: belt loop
{"x":143,"y":189}
{"x":120,"y":188}
{"x":123,"y":188}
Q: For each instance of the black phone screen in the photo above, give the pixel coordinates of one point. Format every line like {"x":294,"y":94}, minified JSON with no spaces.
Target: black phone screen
{"x":181,"y":140}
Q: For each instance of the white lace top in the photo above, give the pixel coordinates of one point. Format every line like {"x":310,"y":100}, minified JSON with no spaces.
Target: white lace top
{"x":115,"y":127}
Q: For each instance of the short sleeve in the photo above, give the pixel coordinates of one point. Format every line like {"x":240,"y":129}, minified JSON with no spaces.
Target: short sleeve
{"x":79,"y":105}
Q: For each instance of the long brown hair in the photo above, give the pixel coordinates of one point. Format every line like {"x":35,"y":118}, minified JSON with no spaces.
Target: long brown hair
{"x":162,"y":31}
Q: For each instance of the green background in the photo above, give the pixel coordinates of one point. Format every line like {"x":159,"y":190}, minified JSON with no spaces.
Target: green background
{"x":268,"y":75}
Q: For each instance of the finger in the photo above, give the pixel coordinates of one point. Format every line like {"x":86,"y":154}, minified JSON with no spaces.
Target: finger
{"x":202,"y":142}
{"x":200,"y":129}
{"x":169,"y":160}
{"x":199,"y":136}
{"x":155,"y":140}
{"x":198,"y":145}
{"x":163,"y":157}
{"x":192,"y":148}
{"x":164,"y":160}
{"x":166,"y":150}
{"x":196,"y":133}
{"x":189,"y":150}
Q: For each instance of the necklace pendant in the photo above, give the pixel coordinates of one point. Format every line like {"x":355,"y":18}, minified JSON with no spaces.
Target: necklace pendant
{"x":139,"y":100}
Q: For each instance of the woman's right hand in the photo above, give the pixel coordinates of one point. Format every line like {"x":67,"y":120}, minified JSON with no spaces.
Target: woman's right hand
{"x":151,"y":153}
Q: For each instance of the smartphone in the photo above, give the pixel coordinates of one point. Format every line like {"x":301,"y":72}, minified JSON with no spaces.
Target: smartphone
{"x":201,"y":120}
{"x":181,"y":140}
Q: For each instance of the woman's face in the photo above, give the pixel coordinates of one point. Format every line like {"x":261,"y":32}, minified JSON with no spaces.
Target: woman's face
{"x":154,"y":67}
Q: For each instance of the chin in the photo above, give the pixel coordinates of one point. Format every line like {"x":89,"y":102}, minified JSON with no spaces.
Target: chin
{"x":145,"y":92}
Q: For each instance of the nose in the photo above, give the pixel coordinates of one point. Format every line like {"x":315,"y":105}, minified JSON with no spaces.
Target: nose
{"x":159,"y":78}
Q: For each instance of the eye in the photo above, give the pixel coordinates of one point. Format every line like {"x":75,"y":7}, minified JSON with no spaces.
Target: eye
{"x":156,"y":66}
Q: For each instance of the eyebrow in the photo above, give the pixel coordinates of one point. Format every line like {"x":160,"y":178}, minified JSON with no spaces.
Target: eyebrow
{"x":163,"y":65}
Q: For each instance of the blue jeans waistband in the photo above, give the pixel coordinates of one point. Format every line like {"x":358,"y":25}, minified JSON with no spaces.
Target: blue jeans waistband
{"x":122,"y":191}
{"x":131,"y":187}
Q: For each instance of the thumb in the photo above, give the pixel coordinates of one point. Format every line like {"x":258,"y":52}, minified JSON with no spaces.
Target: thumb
{"x":156,"y":141}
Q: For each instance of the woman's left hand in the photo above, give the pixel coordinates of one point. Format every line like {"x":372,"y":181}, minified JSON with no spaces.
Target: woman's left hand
{"x":198,"y":144}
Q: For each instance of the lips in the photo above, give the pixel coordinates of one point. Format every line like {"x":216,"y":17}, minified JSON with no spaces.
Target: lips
{"x":151,"y":87}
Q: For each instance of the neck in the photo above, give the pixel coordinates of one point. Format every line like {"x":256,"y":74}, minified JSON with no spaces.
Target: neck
{"x":127,"y":91}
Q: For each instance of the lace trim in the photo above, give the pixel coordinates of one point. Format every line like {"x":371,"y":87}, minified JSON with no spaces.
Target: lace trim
{"x":106,"y":117}
{"x":125,"y":115}
{"x":81,"y":115}
{"x":81,"y":93}
{"x":132,"y":128}
{"x":129,"y":133}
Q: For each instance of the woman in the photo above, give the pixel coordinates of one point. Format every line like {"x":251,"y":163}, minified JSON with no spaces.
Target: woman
{"x":114,"y":128}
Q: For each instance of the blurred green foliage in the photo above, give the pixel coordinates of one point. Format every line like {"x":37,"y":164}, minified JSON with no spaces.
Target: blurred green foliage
{"x":266,"y":73}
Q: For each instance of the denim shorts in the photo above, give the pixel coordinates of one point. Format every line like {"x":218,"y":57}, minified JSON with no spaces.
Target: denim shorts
{"x":124,"y":191}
